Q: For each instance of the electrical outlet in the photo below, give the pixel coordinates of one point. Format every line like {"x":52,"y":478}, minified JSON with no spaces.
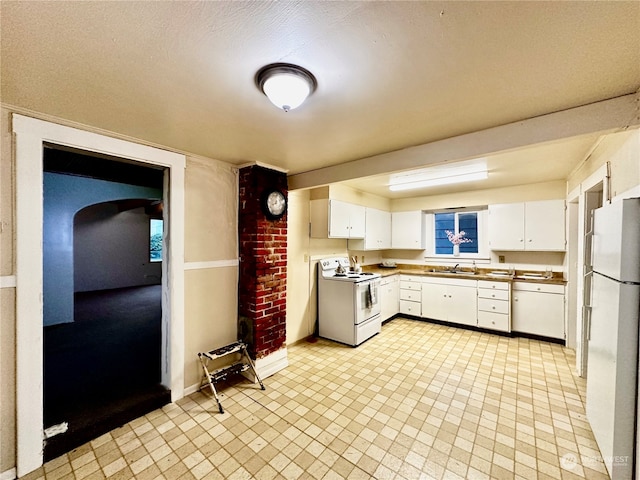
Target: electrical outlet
{"x":306,"y":258}
{"x":500,"y":258}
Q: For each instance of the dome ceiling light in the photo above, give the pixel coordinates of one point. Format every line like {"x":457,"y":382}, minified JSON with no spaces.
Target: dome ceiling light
{"x":286,"y":85}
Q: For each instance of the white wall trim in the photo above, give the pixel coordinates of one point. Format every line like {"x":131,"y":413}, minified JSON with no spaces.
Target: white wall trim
{"x":30,"y":134}
{"x":192,"y":389}
{"x":8,"y":474}
{"x":8,"y":281}
{"x":211,"y":264}
{"x":272,"y":363}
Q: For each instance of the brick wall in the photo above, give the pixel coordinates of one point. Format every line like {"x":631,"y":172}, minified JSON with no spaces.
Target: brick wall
{"x":263,"y":263}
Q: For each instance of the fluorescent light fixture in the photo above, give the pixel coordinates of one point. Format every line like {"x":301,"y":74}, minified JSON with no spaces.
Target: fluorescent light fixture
{"x":460,"y":172}
{"x":467,"y":177}
{"x":285,"y":85}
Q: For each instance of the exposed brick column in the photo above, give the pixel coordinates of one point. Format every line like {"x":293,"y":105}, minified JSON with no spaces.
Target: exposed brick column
{"x":262,"y":292}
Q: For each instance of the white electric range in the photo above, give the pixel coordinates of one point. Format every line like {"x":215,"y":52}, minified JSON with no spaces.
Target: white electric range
{"x":348,"y":302}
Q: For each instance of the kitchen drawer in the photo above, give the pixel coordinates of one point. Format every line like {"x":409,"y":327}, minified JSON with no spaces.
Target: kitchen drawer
{"x":493,"y":321}
{"x":538,"y":287}
{"x":490,"y":305}
{"x":411,"y":278}
{"x":493,"y":294}
{"x":388,"y":280}
{"x":408,"y":307}
{"x":411,"y":295}
{"x":493,"y":285}
{"x":404,"y":285}
{"x":460,"y":282}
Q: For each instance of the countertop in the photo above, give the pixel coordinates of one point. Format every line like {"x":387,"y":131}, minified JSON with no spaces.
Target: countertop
{"x":482,"y":273}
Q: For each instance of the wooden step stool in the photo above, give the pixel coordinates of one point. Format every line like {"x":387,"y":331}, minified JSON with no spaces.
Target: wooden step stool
{"x":238,"y":366}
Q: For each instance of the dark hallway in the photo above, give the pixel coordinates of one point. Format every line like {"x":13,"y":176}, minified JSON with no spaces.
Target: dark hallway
{"x":103,"y":369}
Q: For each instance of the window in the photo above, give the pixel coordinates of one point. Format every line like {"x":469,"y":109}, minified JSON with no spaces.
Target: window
{"x":445,"y":229}
{"x":155,"y":240}
{"x":456,"y":228}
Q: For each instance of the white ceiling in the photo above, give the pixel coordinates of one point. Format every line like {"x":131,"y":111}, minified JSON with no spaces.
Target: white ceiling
{"x":390,"y":74}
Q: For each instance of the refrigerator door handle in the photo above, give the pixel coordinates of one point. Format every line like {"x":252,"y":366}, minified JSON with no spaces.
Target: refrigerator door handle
{"x":586,"y":314}
{"x":589,"y":241}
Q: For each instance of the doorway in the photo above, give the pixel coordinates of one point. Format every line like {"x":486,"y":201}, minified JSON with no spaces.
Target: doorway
{"x":592,"y":200}
{"x":101,"y":358}
{"x":592,"y":193}
{"x":31,"y":135}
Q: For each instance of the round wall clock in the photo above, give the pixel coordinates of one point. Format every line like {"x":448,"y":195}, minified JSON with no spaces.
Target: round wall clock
{"x":274,"y":204}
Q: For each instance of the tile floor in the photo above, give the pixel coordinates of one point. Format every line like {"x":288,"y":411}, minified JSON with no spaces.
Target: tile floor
{"x":419,"y":401}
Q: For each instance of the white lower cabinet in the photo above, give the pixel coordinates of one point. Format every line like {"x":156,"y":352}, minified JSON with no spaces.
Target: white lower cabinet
{"x":538,"y":309}
{"x":451,"y":300}
{"x":494,"y":305}
{"x":389,"y":296}
{"x":410,"y":290}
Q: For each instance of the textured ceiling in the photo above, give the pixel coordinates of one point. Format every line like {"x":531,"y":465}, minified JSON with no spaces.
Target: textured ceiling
{"x":390,"y":74}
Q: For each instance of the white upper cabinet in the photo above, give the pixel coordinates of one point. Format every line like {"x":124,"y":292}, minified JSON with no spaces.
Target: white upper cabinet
{"x":533,"y":226}
{"x":377,"y":234}
{"x":408,"y":230}
{"x":336,"y":219}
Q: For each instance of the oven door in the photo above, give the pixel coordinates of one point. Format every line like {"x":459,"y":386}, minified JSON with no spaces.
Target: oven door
{"x":367,"y":300}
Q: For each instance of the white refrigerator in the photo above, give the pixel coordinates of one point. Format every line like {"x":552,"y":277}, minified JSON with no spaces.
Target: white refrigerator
{"x":612,"y":368}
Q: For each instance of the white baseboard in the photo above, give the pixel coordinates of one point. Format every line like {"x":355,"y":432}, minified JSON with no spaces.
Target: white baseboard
{"x":272,"y":363}
{"x":191,"y":389}
{"x":8,"y":475}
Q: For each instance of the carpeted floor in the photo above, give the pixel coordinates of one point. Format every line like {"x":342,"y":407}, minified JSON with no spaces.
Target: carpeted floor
{"x":103,"y":369}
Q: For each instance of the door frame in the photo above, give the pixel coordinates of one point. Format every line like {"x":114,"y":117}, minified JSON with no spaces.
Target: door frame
{"x":579,"y":193}
{"x":30,"y":135}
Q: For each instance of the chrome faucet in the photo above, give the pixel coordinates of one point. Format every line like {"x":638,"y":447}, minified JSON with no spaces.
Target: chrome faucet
{"x":455,"y":268}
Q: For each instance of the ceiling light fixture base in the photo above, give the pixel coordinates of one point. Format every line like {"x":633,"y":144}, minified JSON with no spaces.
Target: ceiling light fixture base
{"x":285,"y":85}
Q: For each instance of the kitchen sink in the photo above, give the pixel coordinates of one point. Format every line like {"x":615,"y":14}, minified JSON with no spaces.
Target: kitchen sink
{"x":449,"y":272}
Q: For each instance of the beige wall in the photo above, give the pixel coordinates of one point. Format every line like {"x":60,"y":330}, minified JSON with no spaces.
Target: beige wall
{"x":299,"y":268}
{"x":211,"y":233}
{"x":211,"y":196}
{"x":7,"y":300}
{"x":211,"y":211}
{"x":622,"y":150}
{"x":6,"y":196}
{"x":7,"y":379}
{"x":211,"y":312}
